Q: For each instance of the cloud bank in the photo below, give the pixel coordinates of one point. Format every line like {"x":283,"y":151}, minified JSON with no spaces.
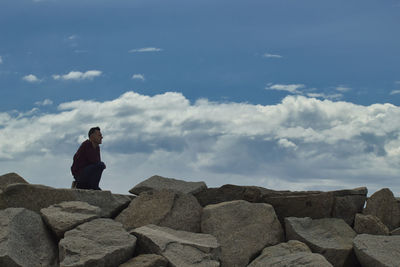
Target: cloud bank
{"x":299,"y":144}
{"x":77,"y":75}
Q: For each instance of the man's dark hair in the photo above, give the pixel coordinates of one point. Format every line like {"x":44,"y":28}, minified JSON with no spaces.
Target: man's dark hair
{"x":92,"y":130}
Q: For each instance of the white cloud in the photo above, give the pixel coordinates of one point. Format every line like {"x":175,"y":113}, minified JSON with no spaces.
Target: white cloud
{"x":291,"y":88}
{"x":395,"y":92}
{"x":145,"y":49}
{"x":325,"y":96}
{"x":77,"y":75}
{"x":343,"y":88}
{"x":31,"y":78}
{"x":46,"y":102}
{"x":267,"y":55}
{"x":1,"y":60}
{"x":299,"y":144}
{"x":138,"y":77}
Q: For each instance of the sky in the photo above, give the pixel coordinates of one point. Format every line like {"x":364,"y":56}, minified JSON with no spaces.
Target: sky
{"x":283,"y":94}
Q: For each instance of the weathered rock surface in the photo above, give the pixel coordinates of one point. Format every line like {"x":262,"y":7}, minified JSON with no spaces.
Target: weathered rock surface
{"x":179,"y":247}
{"x":24,"y":240}
{"x":383,"y":205}
{"x":167,"y":208}
{"x":369,"y":224}
{"x":65,"y":216}
{"x":348,"y":203}
{"x":146,"y":260}
{"x":243,"y":229}
{"x":36,"y":197}
{"x":292,"y":253}
{"x":331,"y":237}
{"x":101,"y":242}
{"x":377,"y":251}
{"x":159,"y":183}
{"x":10,"y":178}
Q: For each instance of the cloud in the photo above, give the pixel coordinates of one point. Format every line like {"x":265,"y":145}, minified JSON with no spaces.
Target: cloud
{"x":300,"y":143}
{"x":267,"y":55}
{"x":395,"y":92}
{"x":343,"y":88}
{"x":31,"y":78}
{"x":1,"y":60}
{"x":291,"y":88}
{"x":145,"y":49}
{"x":138,"y":77}
{"x":46,"y":102}
{"x":325,"y":96}
{"x":77,"y":75}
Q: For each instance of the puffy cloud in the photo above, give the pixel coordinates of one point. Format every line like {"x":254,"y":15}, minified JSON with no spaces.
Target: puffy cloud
{"x":77,"y":75}
{"x":291,"y":88}
{"x":145,"y":49}
{"x":31,"y":78}
{"x":138,"y":77}
{"x":267,"y":55}
{"x":299,"y":144}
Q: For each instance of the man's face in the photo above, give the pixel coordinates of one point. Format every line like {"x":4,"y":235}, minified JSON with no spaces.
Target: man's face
{"x":96,"y":137}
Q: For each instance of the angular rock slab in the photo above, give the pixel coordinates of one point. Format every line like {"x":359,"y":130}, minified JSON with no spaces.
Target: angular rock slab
{"x":182,"y":249}
{"x":331,"y":237}
{"x":377,"y":251}
{"x":348,"y":203}
{"x":167,"y":208}
{"x":67,"y":215}
{"x":146,"y":260}
{"x":37,"y":197}
{"x":383,"y":205}
{"x":11,"y":178}
{"x":292,"y":253}
{"x":159,"y":183}
{"x":101,"y":242}
{"x":25,"y":240}
{"x":242,"y":228}
{"x":369,"y":224}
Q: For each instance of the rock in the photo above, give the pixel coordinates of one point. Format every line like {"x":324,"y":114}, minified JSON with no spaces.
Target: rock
{"x":167,"y":208}
{"x":36,"y":197}
{"x":331,"y":237}
{"x":159,"y":183}
{"x":65,"y":216}
{"x":346,"y":207}
{"x":101,"y":242}
{"x":383,"y":205}
{"x":146,"y":260}
{"x":377,"y":251}
{"x":292,"y":253}
{"x":395,"y":231}
{"x":179,"y":247}
{"x":243,"y":229}
{"x":369,"y":224}
{"x":11,"y":178}
{"x":24,"y":240}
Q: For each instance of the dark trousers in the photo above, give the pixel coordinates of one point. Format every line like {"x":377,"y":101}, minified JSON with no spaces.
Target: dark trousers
{"x":90,"y":177}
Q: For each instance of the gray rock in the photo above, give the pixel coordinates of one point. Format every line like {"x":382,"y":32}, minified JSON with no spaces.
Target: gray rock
{"x":11,"y":178}
{"x":369,"y":224}
{"x":65,"y":216}
{"x":167,"y":208}
{"x":146,"y":260}
{"x":383,"y":205}
{"x":395,"y":231}
{"x":243,"y":229}
{"x":159,"y":183}
{"x":377,"y":251}
{"x":24,"y":240}
{"x":331,"y":237}
{"x":182,"y":249}
{"x":292,"y":253}
{"x":36,"y":197}
{"x":346,"y":207}
{"x":98,"y":243}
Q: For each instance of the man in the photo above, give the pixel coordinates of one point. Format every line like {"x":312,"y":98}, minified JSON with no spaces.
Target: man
{"x":87,"y":167}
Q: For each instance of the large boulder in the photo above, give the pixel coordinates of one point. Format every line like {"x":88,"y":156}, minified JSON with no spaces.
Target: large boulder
{"x":369,"y":224}
{"x":11,"y":178}
{"x":67,"y":215}
{"x":146,"y":260}
{"x":377,"y":251}
{"x":349,"y":202}
{"x":25,"y":240}
{"x":37,"y":197}
{"x":383,"y":205}
{"x":179,"y":247}
{"x":292,"y":253}
{"x":167,"y":208}
{"x":243,"y":229}
{"x":331,"y":237}
{"x":159,"y":183}
{"x":101,"y":242}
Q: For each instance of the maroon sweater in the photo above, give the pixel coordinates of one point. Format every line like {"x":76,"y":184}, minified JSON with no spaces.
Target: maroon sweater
{"x":86,"y":155}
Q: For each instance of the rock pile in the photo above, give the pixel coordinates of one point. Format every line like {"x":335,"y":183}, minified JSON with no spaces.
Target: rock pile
{"x":170,"y":222}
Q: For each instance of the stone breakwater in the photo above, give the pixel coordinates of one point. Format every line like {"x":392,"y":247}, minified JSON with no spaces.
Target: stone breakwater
{"x":170,"y":222}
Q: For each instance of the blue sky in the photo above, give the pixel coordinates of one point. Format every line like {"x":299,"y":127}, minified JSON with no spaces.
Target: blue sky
{"x":337,"y":62}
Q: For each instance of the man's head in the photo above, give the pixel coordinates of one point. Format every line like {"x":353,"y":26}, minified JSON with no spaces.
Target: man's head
{"x":95,"y":135}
